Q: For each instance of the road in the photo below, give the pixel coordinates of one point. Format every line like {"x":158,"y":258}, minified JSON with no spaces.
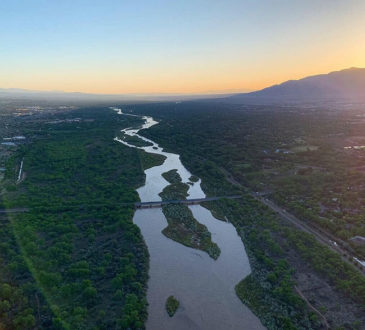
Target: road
{"x":319,"y":234}
{"x":17,"y":210}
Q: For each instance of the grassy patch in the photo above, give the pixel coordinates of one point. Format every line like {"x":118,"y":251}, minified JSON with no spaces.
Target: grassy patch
{"x":177,"y":191}
{"x":172,"y":177}
{"x":182,"y":226}
{"x":194,"y":178}
{"x":136,"y":141}
{"x":149,"y":160}
{"x":172,"y":304}
{"x":185,"y":229}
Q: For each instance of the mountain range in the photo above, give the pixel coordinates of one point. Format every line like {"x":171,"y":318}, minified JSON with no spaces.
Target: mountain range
{"x":346,"y":85}
{"x":340,"y":86}
{"x":61,"y":96}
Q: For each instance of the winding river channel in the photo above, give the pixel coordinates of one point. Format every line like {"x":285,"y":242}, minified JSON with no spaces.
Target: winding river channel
{"x":203,"y":286}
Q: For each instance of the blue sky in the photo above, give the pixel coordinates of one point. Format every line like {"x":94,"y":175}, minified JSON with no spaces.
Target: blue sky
{"x":172,"y":46}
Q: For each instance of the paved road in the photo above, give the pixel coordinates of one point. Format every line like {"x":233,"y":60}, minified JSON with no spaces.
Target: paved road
{"x":320,"y":235}
{"x":291,"y":218}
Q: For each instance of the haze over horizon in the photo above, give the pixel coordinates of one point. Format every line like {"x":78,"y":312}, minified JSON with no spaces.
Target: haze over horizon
{"x":109,"y":47}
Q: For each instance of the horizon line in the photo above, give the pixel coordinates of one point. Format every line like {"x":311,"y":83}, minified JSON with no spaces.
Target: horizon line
{"x":202,"y":93}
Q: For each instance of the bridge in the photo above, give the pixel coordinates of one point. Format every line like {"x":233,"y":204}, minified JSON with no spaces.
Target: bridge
{"x":193,"y":201}
{"x":141,"y":205}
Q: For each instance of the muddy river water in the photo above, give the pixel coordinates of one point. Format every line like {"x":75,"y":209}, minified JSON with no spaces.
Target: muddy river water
{"x":203,"y":286}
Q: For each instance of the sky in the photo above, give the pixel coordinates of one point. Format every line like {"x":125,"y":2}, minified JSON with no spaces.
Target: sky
{"x":175,"y":46}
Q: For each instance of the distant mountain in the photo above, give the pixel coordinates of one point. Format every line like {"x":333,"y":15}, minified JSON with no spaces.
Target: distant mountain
{"x":60,"y":96}
{"x":347,"y":85}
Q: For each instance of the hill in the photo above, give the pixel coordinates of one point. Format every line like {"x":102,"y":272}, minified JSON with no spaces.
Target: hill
{"x":347,"y":85}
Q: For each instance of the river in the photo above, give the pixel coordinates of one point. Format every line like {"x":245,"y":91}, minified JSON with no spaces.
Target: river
{"x":203,"y":286}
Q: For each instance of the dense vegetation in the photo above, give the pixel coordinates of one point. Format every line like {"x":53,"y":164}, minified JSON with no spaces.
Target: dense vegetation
{"x":222,"y":144}
{"x":77,"y":261}
{"x":79,"y":244}
{"x":149,"y":160}
{"x":22,"y":305}
{"x":172,"y":304}
{"x":182,"y":226}
{"x":269,"y":290}
{"x":309,"y":160}
{"x":173,"y":178}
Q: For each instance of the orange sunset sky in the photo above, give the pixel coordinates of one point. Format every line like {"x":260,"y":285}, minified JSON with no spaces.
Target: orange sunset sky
{"x":175,"y":46}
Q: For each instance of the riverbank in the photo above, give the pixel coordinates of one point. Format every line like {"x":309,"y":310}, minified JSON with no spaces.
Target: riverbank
{"x":323,"y":278}
{"x":201,"y":284}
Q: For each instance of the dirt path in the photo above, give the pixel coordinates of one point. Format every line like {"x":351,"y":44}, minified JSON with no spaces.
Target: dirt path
{"x":324,"y":320}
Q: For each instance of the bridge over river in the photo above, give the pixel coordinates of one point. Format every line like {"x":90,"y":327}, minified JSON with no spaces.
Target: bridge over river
{"x":139,"y":205}
{"x":145,"y":205}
